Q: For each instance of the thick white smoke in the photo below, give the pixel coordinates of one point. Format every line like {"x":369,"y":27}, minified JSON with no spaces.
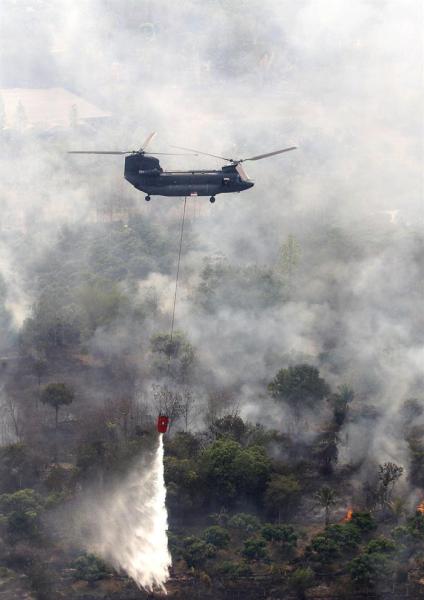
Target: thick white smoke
{"x":130,"y":526}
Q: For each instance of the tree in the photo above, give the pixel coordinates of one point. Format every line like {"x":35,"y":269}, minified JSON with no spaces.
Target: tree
{"x":326,"y":497}
{"x":231,"y":426}
{"x":40,"y":369}
{"x":21,"y":510}
{"x":244,"y":522}
{"x":168,"y":402}
{"x":282,"y":494}
{"x":89,"y":568}
{"x":217,"y":536}
{"x":197,"y":551}
{"x":290,"y":253}
{"x":340,"y":401}
{"x":255,"y":549}
{"x":300,"y":387}
{"x":228,"y":469}
{"x":364,"y":521}
{"x":326,"y":451}
{"x":323,"y":549}
{"x":346,"y":535}
{"x":388,"y":475}
{"x":57,"y":395}
{"x":284,"y":536}
{"x":301,"y":580}
{"x":174,"y":356}
{"x":366,"y":569}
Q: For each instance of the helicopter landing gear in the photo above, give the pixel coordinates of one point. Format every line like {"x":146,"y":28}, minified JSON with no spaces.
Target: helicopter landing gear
{"x":212,"y":199}
{"x":147,"y":198}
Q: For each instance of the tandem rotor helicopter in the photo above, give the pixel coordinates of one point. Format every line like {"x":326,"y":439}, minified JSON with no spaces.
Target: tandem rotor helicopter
{"x":144,"y":172}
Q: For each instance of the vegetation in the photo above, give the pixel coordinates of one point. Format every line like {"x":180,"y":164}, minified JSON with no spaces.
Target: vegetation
{"x":247,"y":501}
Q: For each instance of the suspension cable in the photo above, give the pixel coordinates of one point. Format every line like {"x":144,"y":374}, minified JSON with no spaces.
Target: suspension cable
{"x":178,"y":273}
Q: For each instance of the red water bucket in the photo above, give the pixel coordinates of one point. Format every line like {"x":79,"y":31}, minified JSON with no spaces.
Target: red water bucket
{"x":163,"y":422}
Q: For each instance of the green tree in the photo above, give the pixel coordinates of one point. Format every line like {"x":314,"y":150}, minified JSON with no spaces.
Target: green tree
{"x":173,"y":355}
{"x":301,"y":580}
{"x":323,"y":549}
{"x":282,"y":494}
{"x":326,"y":497}
{"x":255,"y":549}
{"x":229,"y":426}
{"x":244,"y":522}
{"x":228,"y":469}
{"x":341,"y":401}
{"x":217,"y":536}
{"x":300,"y":387}
{"x":283,"y":536}
{"x":90,"y":568}
{"x":346,"y":535}
{"x":290,"y":254}
{"x":21,"y":511}
{"x":366,"y":569}
{"x":57,"y":395}
{"x":388,"y":475}
{"x":380,"y":545}
{"x":364,"y":521}
{"x":196,"y":551}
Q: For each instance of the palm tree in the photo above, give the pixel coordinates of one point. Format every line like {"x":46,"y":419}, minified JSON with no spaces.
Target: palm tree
{"x":327,"y":498}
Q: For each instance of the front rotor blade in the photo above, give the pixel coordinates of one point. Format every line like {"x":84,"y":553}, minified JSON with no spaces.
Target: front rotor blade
{"x":98,"y":152}
{"x":205,"y":153}
{"x":269,"y":154}
{"x":148,"y":140}
{"x":244,"y":176}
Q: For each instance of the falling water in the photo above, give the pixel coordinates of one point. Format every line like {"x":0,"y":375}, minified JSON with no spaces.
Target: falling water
{"x":132,"y":525}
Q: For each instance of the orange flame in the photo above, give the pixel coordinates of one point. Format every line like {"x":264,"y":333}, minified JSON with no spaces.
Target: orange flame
{"x":348,"y":515}
{"x":420,"y":507}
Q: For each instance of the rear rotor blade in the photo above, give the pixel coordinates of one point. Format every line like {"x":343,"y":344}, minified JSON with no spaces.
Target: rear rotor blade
{"x":259,"y":156}
{"x":148,"y":140}
{"x":205,"y":153}
{"x":168,"y":154}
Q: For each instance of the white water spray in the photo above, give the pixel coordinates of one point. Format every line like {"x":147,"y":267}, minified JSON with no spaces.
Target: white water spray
{"x":133,"y":524}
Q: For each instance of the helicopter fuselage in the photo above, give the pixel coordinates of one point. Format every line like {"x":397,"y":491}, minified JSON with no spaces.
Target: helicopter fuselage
{"x":145,"y":174}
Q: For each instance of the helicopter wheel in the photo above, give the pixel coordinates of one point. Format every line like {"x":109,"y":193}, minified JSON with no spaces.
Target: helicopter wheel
{"x":147,"y":198}
{"x":212,"y":199}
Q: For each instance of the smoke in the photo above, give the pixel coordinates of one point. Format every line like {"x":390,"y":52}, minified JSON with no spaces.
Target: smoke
{"x":338,"y":79}
{"x":129,"y":525}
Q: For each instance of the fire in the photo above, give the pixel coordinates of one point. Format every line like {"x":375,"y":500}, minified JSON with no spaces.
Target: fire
{"x":348,"y":515}
{"x":420,"y":507}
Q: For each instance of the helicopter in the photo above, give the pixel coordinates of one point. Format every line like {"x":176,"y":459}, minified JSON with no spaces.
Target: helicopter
{"x":144,"y":172}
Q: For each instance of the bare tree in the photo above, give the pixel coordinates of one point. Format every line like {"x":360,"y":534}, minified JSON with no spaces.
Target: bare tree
{"x":188,"y":408}
{"x":169,"y":403}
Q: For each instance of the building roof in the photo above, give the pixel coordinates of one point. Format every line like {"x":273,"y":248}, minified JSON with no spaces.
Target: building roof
{"x":45,"y":108}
